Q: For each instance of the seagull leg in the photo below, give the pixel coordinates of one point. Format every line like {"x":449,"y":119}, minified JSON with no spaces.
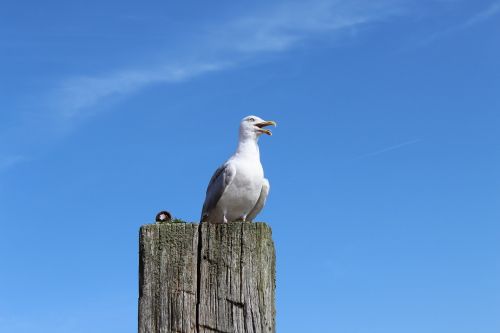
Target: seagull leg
{"x":242,"y":218}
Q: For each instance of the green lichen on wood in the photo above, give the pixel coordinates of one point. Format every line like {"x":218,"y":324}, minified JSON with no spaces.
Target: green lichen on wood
{"x":174,"y":220}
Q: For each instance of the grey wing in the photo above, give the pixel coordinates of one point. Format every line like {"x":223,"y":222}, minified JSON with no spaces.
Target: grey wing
{"x":220,"y":180}
{"x":260,"y":203}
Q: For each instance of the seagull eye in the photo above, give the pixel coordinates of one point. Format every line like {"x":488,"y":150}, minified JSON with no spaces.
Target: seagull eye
{"x":251,"y":119}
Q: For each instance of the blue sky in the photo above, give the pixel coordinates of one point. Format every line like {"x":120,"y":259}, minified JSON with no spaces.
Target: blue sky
{"x":384,"y":168}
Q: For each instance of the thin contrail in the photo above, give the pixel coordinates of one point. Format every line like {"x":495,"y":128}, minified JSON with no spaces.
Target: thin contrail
{"x":381,"y":151}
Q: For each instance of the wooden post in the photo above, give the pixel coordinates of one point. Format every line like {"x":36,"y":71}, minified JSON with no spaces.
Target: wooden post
{"x":205,"y":278}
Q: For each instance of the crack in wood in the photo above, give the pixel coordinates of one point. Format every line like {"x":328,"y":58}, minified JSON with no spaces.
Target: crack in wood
{"x":198,"y":276}
{"x":213,"y":329}
{"x":236,"y":303}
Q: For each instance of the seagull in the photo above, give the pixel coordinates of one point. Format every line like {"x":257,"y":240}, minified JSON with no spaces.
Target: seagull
{"x":238,"y":190}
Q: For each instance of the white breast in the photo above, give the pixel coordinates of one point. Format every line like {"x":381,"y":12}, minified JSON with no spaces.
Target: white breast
{"x":242,"y":194}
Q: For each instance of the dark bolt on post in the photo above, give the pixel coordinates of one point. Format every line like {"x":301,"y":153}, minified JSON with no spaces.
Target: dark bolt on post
{"x":163,"y":217}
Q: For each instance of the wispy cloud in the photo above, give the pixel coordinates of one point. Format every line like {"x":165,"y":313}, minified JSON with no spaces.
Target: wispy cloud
{"x":484,"y":15}
{"x":285,"y":27}
{"x":274,"y":30}
{"x":80,"y":93}
{"x":222,"y":46}
{"x":388,"y":149}
{"x":489,"y":12}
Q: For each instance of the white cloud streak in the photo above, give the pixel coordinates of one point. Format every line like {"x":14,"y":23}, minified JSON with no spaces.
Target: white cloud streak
{"x":276,"y":30}
{"x":492,"y":10}
{"x":79,"y":93}
{"x":286,"y":26}
{"x":484,"y":15}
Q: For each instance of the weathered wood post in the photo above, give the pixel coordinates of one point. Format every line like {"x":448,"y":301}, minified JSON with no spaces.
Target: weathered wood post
{"x":206,"y":278}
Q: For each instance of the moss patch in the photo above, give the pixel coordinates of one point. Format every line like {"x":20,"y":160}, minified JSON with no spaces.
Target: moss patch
{"x":174,"y":220}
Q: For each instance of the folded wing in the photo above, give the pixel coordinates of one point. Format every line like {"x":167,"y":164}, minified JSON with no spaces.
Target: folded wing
{"x":218,"y":184}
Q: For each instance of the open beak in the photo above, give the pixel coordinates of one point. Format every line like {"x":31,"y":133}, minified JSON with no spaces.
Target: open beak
{"x":264,"y":124}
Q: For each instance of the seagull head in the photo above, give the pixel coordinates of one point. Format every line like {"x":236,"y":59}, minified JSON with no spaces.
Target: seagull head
{"x":253,"y":127}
